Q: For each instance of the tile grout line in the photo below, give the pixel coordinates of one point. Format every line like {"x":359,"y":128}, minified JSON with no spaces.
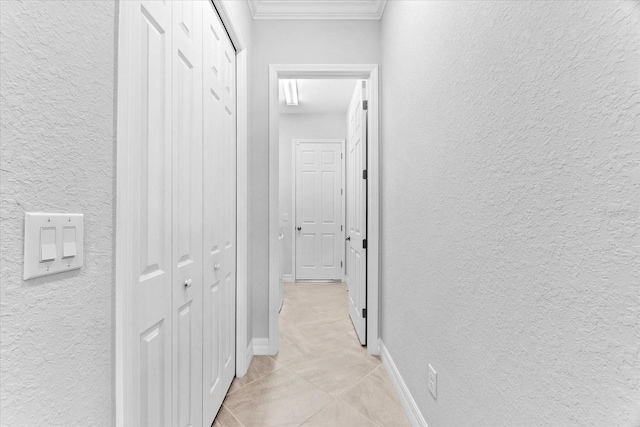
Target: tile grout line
{"x":257,"y":379}
{"x":359,"y":381}
{"x":315,"y":386}
{"x":351,"y":388}
{"x":318,"y":411}
{"x":232,"y":414}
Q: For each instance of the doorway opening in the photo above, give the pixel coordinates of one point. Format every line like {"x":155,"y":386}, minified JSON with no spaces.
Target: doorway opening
{"x":312,"y":135}
{"x":308,"y":219}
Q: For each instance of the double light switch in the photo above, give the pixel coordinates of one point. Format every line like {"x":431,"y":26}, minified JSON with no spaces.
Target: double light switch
{"x":52,"y":243}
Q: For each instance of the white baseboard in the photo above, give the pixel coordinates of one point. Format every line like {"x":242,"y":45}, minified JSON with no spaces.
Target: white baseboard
{"x":409,"y":405}
{"x":261,"y":346}
{"x":287,"y":278}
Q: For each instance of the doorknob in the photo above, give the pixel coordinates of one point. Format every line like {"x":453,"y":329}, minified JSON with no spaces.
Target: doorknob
{"x":188,"y":283}
{"x":299,"y":228}
{"x":216,"y":267}
{"x":348,"y":238}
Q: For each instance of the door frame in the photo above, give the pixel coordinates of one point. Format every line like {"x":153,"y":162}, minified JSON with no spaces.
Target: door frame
{"x":123,"y":204}
{"x":294,"y":200}
{"x":367,"y":72}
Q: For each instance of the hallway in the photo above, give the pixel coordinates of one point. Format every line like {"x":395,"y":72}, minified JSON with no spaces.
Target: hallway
{"x":500,"y":239}
{"x":321,"y":376}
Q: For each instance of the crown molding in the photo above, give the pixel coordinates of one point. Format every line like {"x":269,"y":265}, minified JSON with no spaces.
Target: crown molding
{"x":316,"y":9}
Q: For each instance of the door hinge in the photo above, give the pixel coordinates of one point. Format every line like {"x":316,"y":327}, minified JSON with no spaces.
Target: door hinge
{"x":364,"y":313}
{"x":340,"y":264}
{"x":340,"y":228}
{"x":365,"y":105}
{"x":364,"y":243}
{"x":341,"y":191}
{"x":341,"y":155}
{"x":364,"y":174}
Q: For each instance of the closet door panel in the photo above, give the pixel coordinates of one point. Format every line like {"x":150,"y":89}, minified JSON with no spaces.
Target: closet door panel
{"x":148,"y":197}
{"x":215,"y":236}
{"x":228,"y":207}
{"x":187,"y":213}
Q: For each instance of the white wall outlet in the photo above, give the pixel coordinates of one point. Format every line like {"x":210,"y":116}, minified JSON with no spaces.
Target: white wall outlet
{"x":433,"y":382}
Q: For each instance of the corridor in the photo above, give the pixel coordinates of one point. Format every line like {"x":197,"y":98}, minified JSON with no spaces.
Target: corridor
{"x":487,"y":196}
{"x":321,"y":376}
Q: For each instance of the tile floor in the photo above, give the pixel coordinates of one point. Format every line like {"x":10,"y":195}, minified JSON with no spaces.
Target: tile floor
{"x":322,"y":376}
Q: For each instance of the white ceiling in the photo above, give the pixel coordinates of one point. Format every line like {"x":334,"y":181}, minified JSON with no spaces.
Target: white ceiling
{"x":320,"y":96}
{"x":317,"y":9}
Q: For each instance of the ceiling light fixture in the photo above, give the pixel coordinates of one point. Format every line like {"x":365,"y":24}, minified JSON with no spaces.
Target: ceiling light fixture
{"x":290,"y":91}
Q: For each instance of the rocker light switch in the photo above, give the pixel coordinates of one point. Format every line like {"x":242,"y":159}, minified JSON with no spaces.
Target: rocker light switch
{"x":47,"y":244}
{"x":68,"y":242}
{"x":53,"y":243}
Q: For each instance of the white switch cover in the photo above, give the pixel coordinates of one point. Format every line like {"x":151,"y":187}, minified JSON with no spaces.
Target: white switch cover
{"x":52,"y":243}
{"x":285,"y":217}
{"x":433,"y":382}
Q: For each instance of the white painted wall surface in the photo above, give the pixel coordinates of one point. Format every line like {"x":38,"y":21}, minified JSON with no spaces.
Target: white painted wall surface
{"x":300,"y":126}
{"x":57,"y":128}
{"x":288,"y":42}
{"x":510,"y":213}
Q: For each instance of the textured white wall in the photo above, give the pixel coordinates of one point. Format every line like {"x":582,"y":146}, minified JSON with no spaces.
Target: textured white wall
{"x":300,"y":126}
{"x":57,"y":133}
{"x":288,"y":42}
{"x":511,"y":196}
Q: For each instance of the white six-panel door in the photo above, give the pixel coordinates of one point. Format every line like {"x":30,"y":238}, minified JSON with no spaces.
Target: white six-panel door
{"x":219,"y":212}
{"x":319,"y":211}
{"x":176,"y":201}
{"x":356,"y":271}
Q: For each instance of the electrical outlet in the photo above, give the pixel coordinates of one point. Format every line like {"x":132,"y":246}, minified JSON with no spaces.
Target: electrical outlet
{"x":433,"y":382}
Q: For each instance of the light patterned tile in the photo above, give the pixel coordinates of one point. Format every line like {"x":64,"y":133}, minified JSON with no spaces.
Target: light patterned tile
{"x":294,"y":344}
{"x":375,"y":398}
{"x":332,"y":370}
{"x":226,"y":419}
{"x":260,"y":366}
{"x":317,"y":340}
{"x":280,"y":398}
{"x":338,"y":414}
{"x":350,"y":344}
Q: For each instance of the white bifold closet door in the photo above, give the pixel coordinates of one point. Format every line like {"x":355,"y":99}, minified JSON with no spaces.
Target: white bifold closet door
{"x":219,"y":245}
{"x":177,"y":156}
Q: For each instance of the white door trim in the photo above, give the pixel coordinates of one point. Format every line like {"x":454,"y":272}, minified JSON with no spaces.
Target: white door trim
{"x":368,"y":72}
{"x":293,"y":196}
{"x":124,"y":233}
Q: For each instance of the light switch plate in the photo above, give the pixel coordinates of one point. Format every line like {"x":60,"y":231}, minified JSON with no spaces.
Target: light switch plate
{"x":34,"y":222}
{"x":433,"y":382}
